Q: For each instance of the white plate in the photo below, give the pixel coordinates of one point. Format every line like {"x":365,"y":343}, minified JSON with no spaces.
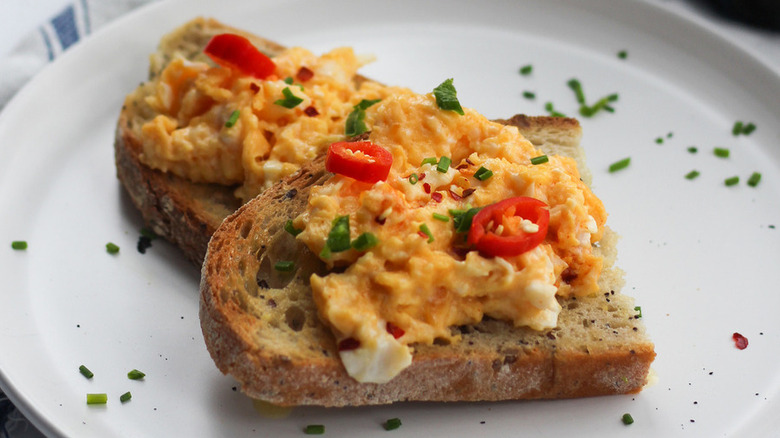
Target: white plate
{"x":700,"y":257}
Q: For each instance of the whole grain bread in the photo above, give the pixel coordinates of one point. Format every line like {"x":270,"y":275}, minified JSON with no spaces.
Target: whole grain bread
{"x":175,"y":208}
{"x":261,"y":325}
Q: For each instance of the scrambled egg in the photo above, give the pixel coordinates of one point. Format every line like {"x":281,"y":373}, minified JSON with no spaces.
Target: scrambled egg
{"x":423,"y":284}
{"x":190,"y":135}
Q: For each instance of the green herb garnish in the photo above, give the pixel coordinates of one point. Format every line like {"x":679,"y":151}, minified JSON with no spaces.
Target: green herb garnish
{"x":693,"y":174}
{"x":576,"y":86}
{"x":721,"y":152}
{"x":529,"y":95}
{"x":541,"y":159}
{"x":392,"y":424}
{"x":483,"y":173}
{"x":444,"y":164}
{"x":627,"y":419}
{"x":338,"y":237}
{"x":112,"y":248}
{"x":427,"y":231}
{"x":135,"y":375}
{"x":314,"y":429}
{"x":365,"y":241}
{"x":638,"y":309}
{"x":288,"y":80}
{"x":231,"y":121}
{"x":734,"y":180}
{"x":441,"y":217}
{"x":620,"y":165}
{"x":86,"y":372}
{"x":742,"y":128}
{"x":97,"y":399}
{"x":526,"y":69}
{"x":284,"y":266}
{"x":461,"y":219}
{"x":693,"y":149}
{"x":355,"y":124}
{"x":623,"y":54}
{"x":290,"y":100}
{"x":413,"y":179}
{"x":19,"y":244}
{"x":552,"y":111}
{"x":125,"y":397}
{"x":447,"y":97}
{"x":290,"y":228}
{"x":659,"y":140}
{"x":754,"y":179}
{"x":430,"y":160}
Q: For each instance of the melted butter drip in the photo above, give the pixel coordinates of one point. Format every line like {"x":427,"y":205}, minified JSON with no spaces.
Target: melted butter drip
{"x":269,"y":410}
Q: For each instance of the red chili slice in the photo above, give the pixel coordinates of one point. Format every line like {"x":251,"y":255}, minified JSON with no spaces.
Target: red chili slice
{"x":512,"y":241}
{"x":349,"y":344}
{"x":394,"y":330}
{"x":361,"y":160}
{"x":740,"y":341}
{"x":237,"y":53}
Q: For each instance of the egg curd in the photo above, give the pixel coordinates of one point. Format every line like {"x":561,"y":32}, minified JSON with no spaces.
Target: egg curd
{"x":421,"y":279}
{"x":215,"y":125}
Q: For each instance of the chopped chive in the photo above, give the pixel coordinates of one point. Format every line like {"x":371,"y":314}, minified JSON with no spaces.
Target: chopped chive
{"x":693,"y":149}
{"x":444,"y":164}
{"x":112,"y":248}
{"x":135,"y":375}
{"x":461,"y":219}
{"x":288,"y":80}
{"x":427,"y":231}
{"x":290,"y":100}
{"x":429,"y":160}
{"x":619,"y":165}
{"x":541,"y":159}
{"x":623,"y":54}
{"x":97,"y":399}
{"x":231,"y":121}
{"x":284,"y":266}
{"x":413,"y":178}
{"x":552,"y":111}
{"x":355,"y":124}
{"x":86,"y":372}
{"x":483,"y":173}
{"x":749,"y":128}
{"x":693,"y":174}
{"x":365,"y":241}
{"x":392,"y":424}
{"x":638,"y":309}
{"x":526,"y":69}
{"x":125,"y":397}
{"x":576,"y":86}
{"x":721,"y":152}
{"x":19,"y":244}
{"x":627,"y":419}
{"x":754,"y":179}
{"x":659,"y":140}
{"x":290,"y":228}
{"x":338,"y":237}
{"x":734,"y":180}
{"x":314,"y":429}
{"x":441,"y":217}
{"x":447,"y":97}
{"x":602,"y":103}
{"x":149,"y":234}
{"x":529,"y":95}
{"x":670,"y":134}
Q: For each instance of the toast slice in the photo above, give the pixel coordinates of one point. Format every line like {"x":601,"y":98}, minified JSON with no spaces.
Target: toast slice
{"x":261,"y":326}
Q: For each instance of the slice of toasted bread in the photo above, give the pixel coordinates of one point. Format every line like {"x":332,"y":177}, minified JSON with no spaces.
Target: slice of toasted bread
{"x":181,"y":211}
{"x":261,"y":326}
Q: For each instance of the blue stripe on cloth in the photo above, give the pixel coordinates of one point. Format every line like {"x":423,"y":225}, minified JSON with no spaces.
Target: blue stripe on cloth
{"x":85,"y":11}
{"x":47,"y":42}
{"x":65,"y":26}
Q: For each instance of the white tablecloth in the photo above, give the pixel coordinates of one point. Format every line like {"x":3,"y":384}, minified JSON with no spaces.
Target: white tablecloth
{"x":34,"y":33}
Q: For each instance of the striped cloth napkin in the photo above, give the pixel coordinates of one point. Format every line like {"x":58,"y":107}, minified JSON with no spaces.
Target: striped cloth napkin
{"x":50,"y":40}
{"x":54,"y":37}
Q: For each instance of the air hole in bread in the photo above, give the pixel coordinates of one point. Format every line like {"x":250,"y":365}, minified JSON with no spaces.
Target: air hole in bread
{"x":246,"y":227}
{"x":295,"y":318}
